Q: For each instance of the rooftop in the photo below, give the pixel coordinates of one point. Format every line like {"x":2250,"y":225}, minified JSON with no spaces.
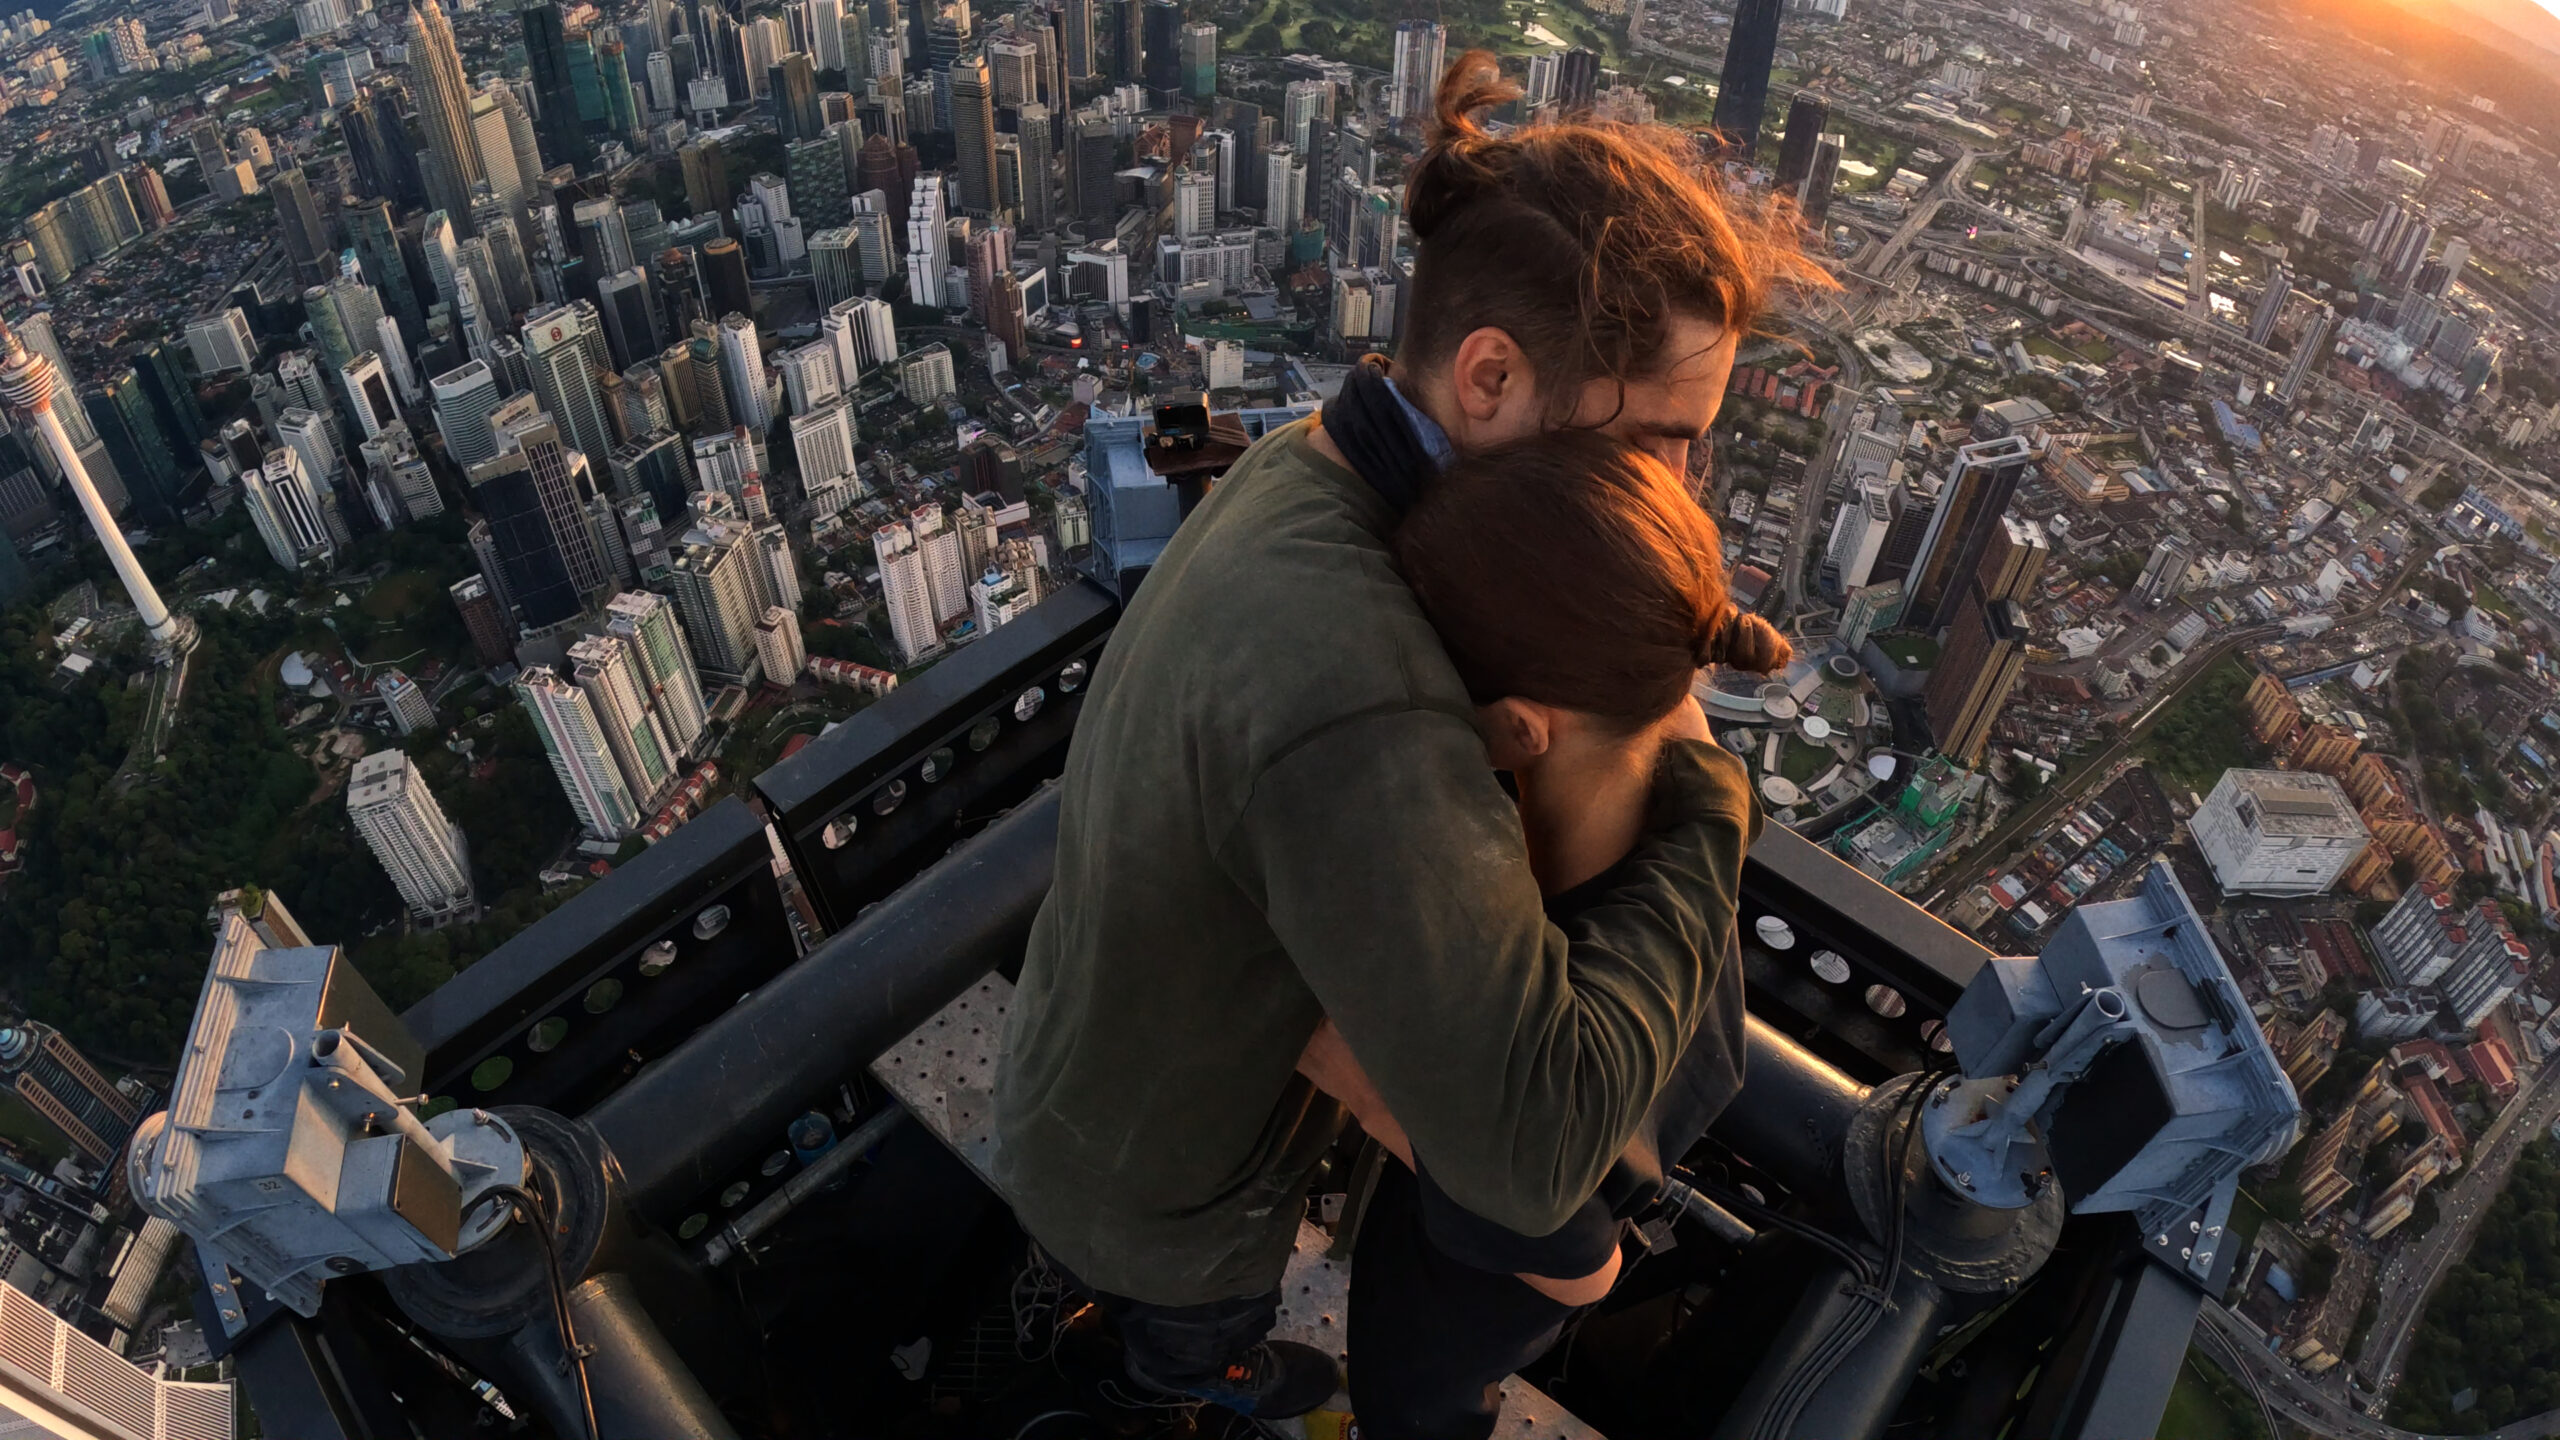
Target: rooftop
{"x":2292,"y":804}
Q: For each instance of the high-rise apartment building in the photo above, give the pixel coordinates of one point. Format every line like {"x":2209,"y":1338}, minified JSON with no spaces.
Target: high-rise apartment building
{"x":573,"y":738}
{"x":425,"y":854}
{"x":779,"y":652}
{"x":1421,"y":54}
{"x":712,"y":576}
{"x":647,"y":623}
{"x":742,"y":374}
{"x":618,"y":693}
{"x":486,"y":620}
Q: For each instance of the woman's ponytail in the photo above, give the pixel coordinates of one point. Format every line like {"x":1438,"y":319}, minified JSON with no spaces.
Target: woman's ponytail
{"x":1745,"y":642}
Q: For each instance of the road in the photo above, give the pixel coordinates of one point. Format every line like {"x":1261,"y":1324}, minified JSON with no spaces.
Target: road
{"x":2294,"y":1396}
{"x":2412,"y":1275}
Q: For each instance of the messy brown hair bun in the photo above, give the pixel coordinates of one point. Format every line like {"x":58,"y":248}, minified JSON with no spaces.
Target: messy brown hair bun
{"x":1575,"y":570}
{"x":1583,"y":240}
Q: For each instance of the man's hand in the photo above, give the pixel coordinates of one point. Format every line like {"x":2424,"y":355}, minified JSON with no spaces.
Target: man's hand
{"x":1327,"y":1062}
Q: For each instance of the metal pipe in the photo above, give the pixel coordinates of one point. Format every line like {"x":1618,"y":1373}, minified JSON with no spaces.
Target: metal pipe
{"x":1794,"y":1110}
{"x":813,"y":1177}
{"x":754,"y":1068}
{"x":1857,"y":1399}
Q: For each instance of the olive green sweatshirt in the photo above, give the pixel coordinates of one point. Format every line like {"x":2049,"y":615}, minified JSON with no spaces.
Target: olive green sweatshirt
{"x":1277,"y":808}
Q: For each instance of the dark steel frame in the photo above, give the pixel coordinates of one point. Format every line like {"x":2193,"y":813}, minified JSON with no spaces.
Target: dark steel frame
{"x":919,"y":902}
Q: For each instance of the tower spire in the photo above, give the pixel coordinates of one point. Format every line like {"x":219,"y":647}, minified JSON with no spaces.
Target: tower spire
{"x":27,"y":387}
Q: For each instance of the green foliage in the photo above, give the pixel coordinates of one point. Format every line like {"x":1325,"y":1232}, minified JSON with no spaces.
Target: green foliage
{"x":2206,"y":732}
{"x":2445,"y":491}
{"x":2500,"y":1335}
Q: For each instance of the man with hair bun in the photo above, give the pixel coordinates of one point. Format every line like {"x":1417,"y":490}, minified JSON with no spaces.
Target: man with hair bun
{"x":1279,"y":809}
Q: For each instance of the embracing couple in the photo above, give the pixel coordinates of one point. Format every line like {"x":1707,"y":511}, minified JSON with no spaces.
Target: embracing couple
{"x":1291,"y":879}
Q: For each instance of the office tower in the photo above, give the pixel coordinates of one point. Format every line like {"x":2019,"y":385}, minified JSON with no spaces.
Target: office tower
{"x":710,"y":392}
{"x":1976,"y":494}
{"x":1093,"y":186}
{"x":863,"y":334}
{"x":1744,"y":83}
{"x":779,"y":652}
{"x":368,"y":390}
{"x":560,"y":347}
{"x":1013,"y":69}
{"x":1160,"y":60}
{"x":1578,"y":79}
{"x":28,"y":381}
{"x":973,"y":129}
{"x":821,"y":197}
{"x":613,"y":77}
{"x":573,"y":738}
{"x":171,"y":391}
{"x":1858,"y":535}
{"x":394,"y":470}
{"x":444,"y":110}
{"x":822,"y":442}
{"x":464,"y":399}
{"x":601,"y":236}
{"x":1985,"y":648}
{"x":648,"y":624}
{"x":835,"y":266}
{"x":306,"y":239}
{"x":1284,"y":200}
{"x":424,"y":853}
{"x":706,"y":176}
{"x":54,"y":1080}
{"x":1421,"y":47}
{"x":307,"y":434}
{"x":1076,"y":18}
{"x":628,"y":305}
{"x":715,"y":587}
{"x":1195,"y":204}
{"x":1198,"y":53}
{"x":507,"y":180}
{"x":1813,"y":198}
{"x":1807,"y":113}
{"x":284,"y":507}
{"x":724,"y":275}
{"x":530,"y":569}
{"x":546,"y":48}
{"x":2307,"y":353}
{"x":619,"y":695}
{"x":561,"y":482}
{"x":2262,"y":321}
{"x":742,"y":374}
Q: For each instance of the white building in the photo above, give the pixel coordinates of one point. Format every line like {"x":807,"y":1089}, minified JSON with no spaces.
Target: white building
{"x":810,"y":376}
{"x":925,"y":375}
{"x":1857,"y":536}
{"x":822,"y":440}
{"x":286,"y":512}
{"x":221,"y":341}
{"x":778,"y":647}
{"x":2278,"y":832}
{"x":928,"y":243}
{"x":410,"y":709}
{"x":742,"y":374}
{"x":425,"y":854}
{"x":580,"y":756}
{"x":920,"y":579}
{"x":863,"y":334}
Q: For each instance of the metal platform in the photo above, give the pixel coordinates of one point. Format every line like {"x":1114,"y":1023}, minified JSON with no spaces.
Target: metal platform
{"x":944,"y":1074}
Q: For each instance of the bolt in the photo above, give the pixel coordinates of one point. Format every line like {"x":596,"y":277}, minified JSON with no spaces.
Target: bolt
{"x":1965,"y":1178}
{"x":2195,"y":1227}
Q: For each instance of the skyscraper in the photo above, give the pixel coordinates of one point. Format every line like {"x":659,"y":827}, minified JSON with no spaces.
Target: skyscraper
{"x":1807,"y":113}
{"x":2262,"y":321}
{"x":647,"y":622}
{"x":1161,"y":59}
{"x":1985,"y":646}
{"x":54,"y":1080}
{"x":444,"y":111}
{"x":464,"y":398}
{"x":742,"y":374}
{"x":779,"y":651}
{"x":562,"y":486}
{"x":306,"y":239}
{"x":424,"y":853}
{"x":1421,"y":48}
{"x":560,"y":349}
{"x":486,"y":620}
{"x":619,"y":695}
{"x":715,"y":590}
{"x":574,"y":740}
{"x":1744,"y":83}
{"x":973,"y":131}
{"x":2307,"y":353}
{"x":1578,"y":80}
{"x":1200,"y":61}
{"x":1979,"y":485}
{"x":284,"y":507}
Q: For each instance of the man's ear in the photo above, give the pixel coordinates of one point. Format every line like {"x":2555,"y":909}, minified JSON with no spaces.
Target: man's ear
{"x":1516,"y":732}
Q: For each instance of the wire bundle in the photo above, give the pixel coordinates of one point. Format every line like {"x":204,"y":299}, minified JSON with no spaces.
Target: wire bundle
{"x":530,"y":1208}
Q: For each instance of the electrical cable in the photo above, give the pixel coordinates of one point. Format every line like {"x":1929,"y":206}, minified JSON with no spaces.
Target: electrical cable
{"x":531,"y":1208}
{"x":1871,"y":1287}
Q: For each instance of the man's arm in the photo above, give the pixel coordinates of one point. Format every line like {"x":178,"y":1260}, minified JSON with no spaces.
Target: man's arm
{"x":1517,"y":1058}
